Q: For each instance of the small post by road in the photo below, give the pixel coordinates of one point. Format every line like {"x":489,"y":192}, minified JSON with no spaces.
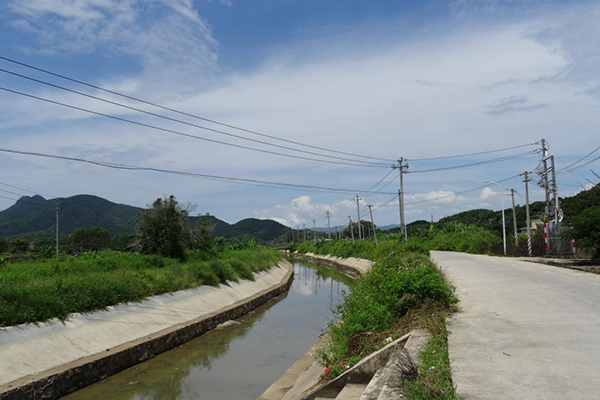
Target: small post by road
{"x":512,"y":195}
{"x":358,"y":199}
{"x":372,"y":223}
{"x":526,"y":180}
{"x":351,"y":228}
{"x":57,"y":214}
{"x":329,"y":223}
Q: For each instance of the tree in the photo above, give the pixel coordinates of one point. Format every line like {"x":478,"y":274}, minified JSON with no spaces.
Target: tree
{"x":19,"y":246}
{"x":91,"y":239}
{"x":4,"y":245}
{"x":162,"y":228}
{"x":365,"y":225}
{"x":585,"y":229}
{"x":124,"y":241}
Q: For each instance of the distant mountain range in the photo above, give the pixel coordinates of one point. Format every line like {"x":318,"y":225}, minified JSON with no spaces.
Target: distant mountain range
{"x":35,"y":216}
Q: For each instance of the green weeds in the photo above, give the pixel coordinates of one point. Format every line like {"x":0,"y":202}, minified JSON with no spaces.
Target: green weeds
{"x":35,"y":291}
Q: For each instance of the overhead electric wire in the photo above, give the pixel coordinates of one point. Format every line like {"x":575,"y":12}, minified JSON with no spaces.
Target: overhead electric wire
{"x":493,"y":160}
{"x":254,"y":132}
{"x":563,"y":163}
{"x":568,"y":167}
{"x":471,"y":154}
{"x":187,"y":123}
{"x":183,"y":133}
{"x":181,"y":173}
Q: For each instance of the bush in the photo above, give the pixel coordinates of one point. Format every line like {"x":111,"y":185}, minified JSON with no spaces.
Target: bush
{"x":585,"y":229}
{"x":91,"y":239}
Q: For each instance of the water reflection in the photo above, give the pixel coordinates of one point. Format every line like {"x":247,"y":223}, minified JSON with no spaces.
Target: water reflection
{"x":238,"y":361}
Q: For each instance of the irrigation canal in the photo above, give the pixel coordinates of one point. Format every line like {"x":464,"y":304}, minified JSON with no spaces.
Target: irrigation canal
{"x":238,"y":361}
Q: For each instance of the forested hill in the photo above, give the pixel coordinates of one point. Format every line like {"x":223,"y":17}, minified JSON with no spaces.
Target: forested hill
{"x":36,"y":216}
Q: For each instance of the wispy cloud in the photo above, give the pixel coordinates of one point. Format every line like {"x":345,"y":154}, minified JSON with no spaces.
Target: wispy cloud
{"x":512,"y":104}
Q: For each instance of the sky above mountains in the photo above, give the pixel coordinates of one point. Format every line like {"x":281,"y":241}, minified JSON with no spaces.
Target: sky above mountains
{"x":387,"y":79}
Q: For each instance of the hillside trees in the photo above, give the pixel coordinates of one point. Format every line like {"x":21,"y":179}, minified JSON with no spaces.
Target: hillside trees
{"x":585,"y":229}
{"x":91,"y":239}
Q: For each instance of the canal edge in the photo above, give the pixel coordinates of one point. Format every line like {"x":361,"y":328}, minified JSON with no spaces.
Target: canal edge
{"x":70,"y":377}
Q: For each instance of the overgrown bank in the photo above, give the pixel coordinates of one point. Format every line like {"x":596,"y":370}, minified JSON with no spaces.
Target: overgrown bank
{"x":35,"y":291}
{"x":404,"y":290}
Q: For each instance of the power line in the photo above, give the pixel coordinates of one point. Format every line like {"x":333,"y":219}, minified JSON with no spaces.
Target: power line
{"x":568,"y":167}
{"x":185,"y":113}
{"x":257,"y":182}
{"x":183,"y":133}
{"x":472,"y":154}
{"x":493,"y":160}
{"x":184,"y":122}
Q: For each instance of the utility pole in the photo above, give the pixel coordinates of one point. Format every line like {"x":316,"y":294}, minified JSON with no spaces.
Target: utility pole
{"x":402,"y":166}
{"x":351,"y":228}
{"x":358,"y":199}
{"x":314,"y":231}
{"x":372,"y":223}
{"x":544,"y":174}
{"x":557,"y":218}
{"x":526,"y":180}
{"x":329,"y":223}
{"x":304,"y":232}
{"x":57,"y":214}
{"x":512,"y":195}
{"x":503,"y":219}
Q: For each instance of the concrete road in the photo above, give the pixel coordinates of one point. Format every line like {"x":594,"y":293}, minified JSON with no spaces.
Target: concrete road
{"x":525,"y":330}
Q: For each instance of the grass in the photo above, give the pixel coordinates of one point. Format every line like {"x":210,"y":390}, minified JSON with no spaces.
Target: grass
{"x":36,"y":291}
{"x":404,"y":290}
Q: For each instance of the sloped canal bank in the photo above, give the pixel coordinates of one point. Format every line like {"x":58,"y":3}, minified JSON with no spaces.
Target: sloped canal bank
{"x":243,"y":359}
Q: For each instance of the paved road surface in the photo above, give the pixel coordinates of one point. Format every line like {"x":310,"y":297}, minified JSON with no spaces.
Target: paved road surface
{"x":525,"y":330}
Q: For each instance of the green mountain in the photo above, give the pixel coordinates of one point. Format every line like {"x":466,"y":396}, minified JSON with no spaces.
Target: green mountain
{"x":35,"y":216}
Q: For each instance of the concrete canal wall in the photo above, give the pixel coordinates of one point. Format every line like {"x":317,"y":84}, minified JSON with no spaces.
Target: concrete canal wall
{"x":305,"y":373}
{"x":353,"y":267}
{"x":53,"y":359}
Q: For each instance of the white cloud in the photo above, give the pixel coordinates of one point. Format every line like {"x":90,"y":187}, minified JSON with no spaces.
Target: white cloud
{"x":487,"y":193}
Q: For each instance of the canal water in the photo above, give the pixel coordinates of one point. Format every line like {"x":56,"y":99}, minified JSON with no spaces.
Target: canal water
{"x":239,"y":361}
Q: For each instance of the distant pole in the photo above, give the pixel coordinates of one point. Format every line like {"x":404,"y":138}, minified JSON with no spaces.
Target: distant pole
{"x":372,"y":223}
{"x":503,"y":219}
{"x":57,"y":214}
{"x":304,"y":232}
{"x":512,"y":195}
{"x":329,"y":223}
{"x":402,"y":166}
{"x":545,"y":175}
{"x":529,"y":246}
{"x":314,"y":230}
{"x":555,"y":190}
{"x":358,"y":199}
{"x":351,"y":228}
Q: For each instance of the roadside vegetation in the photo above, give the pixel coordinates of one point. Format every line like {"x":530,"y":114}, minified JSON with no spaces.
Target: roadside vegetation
{"x":404,"y":290}
{"x":171,"y":254}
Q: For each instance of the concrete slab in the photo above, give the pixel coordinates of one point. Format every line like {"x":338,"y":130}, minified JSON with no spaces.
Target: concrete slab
{"x":524,"y":330}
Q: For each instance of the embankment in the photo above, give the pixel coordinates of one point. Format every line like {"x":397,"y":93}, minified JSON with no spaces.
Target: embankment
{"x":53,"y":359}
{"x":352,"y":267}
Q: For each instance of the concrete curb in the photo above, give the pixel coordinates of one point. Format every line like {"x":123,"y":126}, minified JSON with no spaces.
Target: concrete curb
{"x":352,"y":267}
{"x":67,"y":378}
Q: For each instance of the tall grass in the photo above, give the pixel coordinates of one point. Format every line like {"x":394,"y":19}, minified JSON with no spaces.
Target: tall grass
{"x":35,"y":291}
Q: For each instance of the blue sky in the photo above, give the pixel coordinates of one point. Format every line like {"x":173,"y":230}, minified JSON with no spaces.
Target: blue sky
{"x":384,"y":78}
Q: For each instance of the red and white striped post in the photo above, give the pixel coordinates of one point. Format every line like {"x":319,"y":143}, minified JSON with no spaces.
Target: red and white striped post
{"x":546,"y":236}
{"x":574,"y":247}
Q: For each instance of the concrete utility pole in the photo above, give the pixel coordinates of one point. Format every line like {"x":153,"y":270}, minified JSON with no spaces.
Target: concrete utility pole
{"x":526,"y":180}
{"x":512,"y":195}
{"x":329,"y":223}
{"x":545,"y":174}
{"x":358,"y":199}
{"x":557,"y":218}
{"x":351,"y":228}
{"x":57,"y":213}
{"x":503,"y":219}
{"x":314,"y":230}
{"x":402,"y":166}
{"x":304,"y":232}
{"x":372,"y":223}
